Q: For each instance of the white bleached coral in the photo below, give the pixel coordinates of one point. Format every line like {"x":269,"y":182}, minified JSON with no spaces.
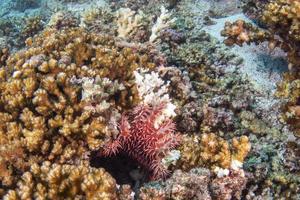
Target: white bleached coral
{"x":162,"y":22}
{"x":97,"y":90}
{"x":128,"y":21}
{"x":235,"y":166}
{"x":171,"y":158}
{"x":154,"y":91}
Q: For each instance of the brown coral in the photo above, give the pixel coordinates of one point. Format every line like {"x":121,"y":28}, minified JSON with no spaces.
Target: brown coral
{"x":54,"y":181}
{"x":4,"y":52}
{"x":240,"y":32}
{"x":191,"y":185}
{"x":282,"y":23}
{"x":229,"y":187}
{"x":212,"y":151}
{"x":43,"y":108}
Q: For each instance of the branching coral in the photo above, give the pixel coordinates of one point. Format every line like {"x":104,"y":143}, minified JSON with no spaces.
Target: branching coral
{"x":128,"y":22}
{"x":54,"y":181}
{"x":49,"y":114}
{"x":163,"y":21}
{"x":153,"y":90}
{"x":212,"y":151}
{"x":240,"y":32}
{"x":181,"y":185}
{"x":146,"y":138}
{"x":4,"y":52}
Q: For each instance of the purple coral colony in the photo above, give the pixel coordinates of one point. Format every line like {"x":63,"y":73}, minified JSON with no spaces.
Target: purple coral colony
{"x":149,"y":99}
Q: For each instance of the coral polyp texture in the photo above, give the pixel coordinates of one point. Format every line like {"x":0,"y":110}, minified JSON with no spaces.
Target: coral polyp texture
{"x":146,"y":137}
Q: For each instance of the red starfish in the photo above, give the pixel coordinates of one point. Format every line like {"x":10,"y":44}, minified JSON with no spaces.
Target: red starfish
{"x":144,"y":142}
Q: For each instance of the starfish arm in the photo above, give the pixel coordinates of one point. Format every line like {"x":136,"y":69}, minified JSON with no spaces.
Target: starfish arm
{"x":166,"y":138}
{"x":111,"y":148}
{"x":124,"y":128}
{"x":158,"y":170}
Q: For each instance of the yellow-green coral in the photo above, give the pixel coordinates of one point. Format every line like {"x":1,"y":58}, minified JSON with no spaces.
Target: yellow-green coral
{"x":212,"y":151}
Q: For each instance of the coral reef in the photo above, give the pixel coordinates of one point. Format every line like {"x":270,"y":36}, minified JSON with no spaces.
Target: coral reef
{"x":229,"y":187}
{"x":55,"y":181}
{"x":181,"y":185}
{"x":241,"y":32}
{"x":212,"y":151}
{"x":47,"y":113}
{"x":281,"y":20}
{"x":111,"y":82}
{"x":4,"y":52}
{"x":198,"y":183}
